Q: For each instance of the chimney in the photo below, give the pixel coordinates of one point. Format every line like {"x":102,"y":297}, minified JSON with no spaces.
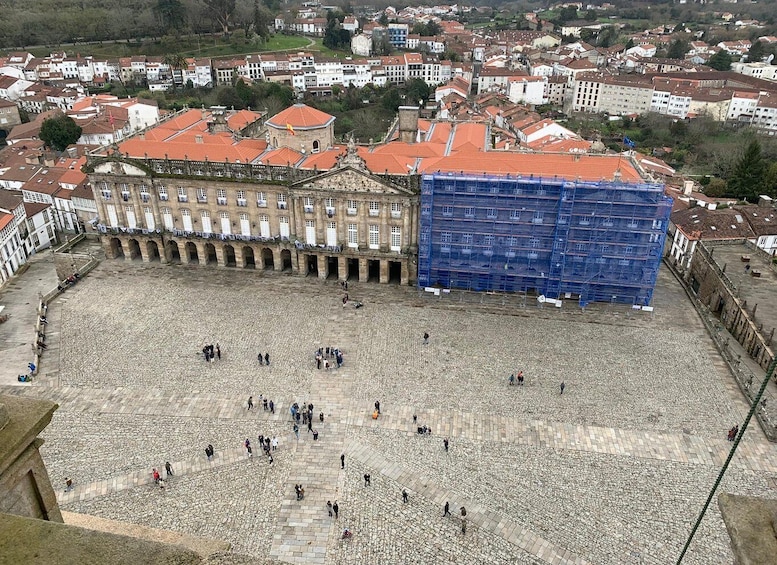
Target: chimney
{"x":408,"y":123}
{"x":765,"y":201}
{"x":687,"y":187}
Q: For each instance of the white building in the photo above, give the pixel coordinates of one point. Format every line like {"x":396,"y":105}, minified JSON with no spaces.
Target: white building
{"x":361,"y":45}
{"x":12,"y":252}
{"x":528,"y":90}
{"x":41,"y":232}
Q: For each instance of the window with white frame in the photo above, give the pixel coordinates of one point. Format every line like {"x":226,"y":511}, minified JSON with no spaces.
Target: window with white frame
{"x":447,"y":211}
{"x":538,"y":217}
{"x":144,"y":196}
{"x":113,"y":218}
{"x":396,"y":238}
{"x":264,"y":225}
{"x":221,"y":196}
{"x":466,"y":241}
{"x":491,"y":213}
{"x":163,"y":193}
{"x":226,"y":225}
{"x":282,"y":202}
{"x":374,"y":208}
{"x":183,"y":196}
{"x":105,"y":192}
{"x":129,"y":213}
{"x":167,"y":217}
{"x":469,"y":212}
{"x":202,"y":195}
{"x":148,"y":214}
{"x":207,"y":226}
{"x":284,"y":223}
{"x":351,"y":207}
{"x":329,"y":204}
{"x":186,"y":219}
{"x":245,"y":224}
{"x":241,"y":198}
{"x":374,"y":240}
{"x":310,"y":232}
{"x":261,"y":199}
{"x":353,"y":235}
{"x":396,"y":209}
{"x":331,"y":234}
{"x":125,"y":192}
{"x":307,"y":203}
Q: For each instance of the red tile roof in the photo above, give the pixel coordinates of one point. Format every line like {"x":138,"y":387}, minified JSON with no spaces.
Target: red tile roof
{"x":301,"y":116}
{"x":5,"y":219}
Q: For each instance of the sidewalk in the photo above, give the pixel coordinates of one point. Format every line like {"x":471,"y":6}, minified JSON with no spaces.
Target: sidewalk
{"x":20,"y":298}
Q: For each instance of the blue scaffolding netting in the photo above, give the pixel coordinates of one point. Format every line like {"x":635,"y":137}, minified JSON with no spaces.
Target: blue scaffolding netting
{"x":589,"y":241}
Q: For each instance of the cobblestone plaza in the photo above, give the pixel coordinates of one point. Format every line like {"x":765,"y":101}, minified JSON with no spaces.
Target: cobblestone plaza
{"x":613,"y":471}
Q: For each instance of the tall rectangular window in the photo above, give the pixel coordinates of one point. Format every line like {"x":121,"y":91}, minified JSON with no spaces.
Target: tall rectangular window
{"x":149,"y":217}
{"x":264,"y":225}
{"x":226,"y":226}
{"x":261,"y":199}
{"x":331,"y":234}
{"x":281,"y":201}
{"x":396,"y":238}
{"x":207,"y":226}
{"x":245,"y":224}
{"x":310,"y":232}
{"x":186,"y":218}
{"x":202,"y":195}
{"x":351,"y":205}
{"x":144,"y":196}
{"x":374,"y":208}
{"x":396,"y":209}
{"x":353,"y":235}
{"x":307,"y":203}
{"x":183,"y":195}
{"x":241,"y":198}
{"x":167,"y":217}
{"x":284,"y":223}
{"x":129,"y":212}
{"x":221,"y":196}
{"x":374,"y":236}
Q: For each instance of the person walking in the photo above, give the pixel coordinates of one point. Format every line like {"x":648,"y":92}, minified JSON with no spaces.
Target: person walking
{"x":272,"y":407}
{"x":68,"y":484}
{"x":218,"y":351}
{"x":321,"y":417}
{"x":520,"y":378}
{"x":310,"y":425}
{"x":377,"y":406}
{"x":260,"y":358}
{"x":404,"y":496}
{"x":168,"y":469}
{"x":342,"y":460}
{"x":426,"y":338}
{"x":367,"y":479}
{"x":274,"y":443}
{"x":267,"y":359}
{"x":511,"y":380}
{"x":269,"y":458}
{"x":329,"y":507}
{"x":155,"y":474}
{"x":335,"y":509}
{"x":563,"y":386}
{"x":296,"y":431}
{"x":447,"y":510}
{"x":250,"y":403}
{"x":445,"y":443}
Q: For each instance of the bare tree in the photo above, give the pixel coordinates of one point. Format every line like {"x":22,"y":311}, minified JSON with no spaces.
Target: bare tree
{"x":222,"y":11}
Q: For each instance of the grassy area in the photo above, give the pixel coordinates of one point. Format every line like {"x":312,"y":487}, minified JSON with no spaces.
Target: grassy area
{"x":205,"y":46}
{"x":319,"y":47}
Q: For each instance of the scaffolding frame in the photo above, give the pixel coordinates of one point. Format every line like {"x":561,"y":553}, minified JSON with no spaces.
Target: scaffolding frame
{"x":592,"y":241}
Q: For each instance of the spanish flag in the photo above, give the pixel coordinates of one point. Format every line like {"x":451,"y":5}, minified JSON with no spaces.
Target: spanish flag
{"x":291,"y":129}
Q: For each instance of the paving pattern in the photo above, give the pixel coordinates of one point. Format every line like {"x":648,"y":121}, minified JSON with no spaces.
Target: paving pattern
{"x":614,"y":470}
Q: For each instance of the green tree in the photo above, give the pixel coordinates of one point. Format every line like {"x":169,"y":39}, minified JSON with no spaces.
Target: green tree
{"x":176,"y":62}
{"x":770,"y":180}
{"x":591,"y":16}
{"x":261,"y":21}
{"x":246,"y":93}
{"x":383,"y":19}
{"x":747,"y":178}
{"x":757,"y":52}
{"x":677,"y":49}
{"x":222,"y":11}
{"x":391,"y":100}
{"x":59,"y":132}
{"x":171,"y":14}
{"x":567,"y":14}
{"x":720,"y":61}
{"x":416,"y":90}
{"x":629,"y":44}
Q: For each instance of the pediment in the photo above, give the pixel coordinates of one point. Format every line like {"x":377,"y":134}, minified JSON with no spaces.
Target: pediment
{"x":351,"y":180}
{"x":119,"y":168}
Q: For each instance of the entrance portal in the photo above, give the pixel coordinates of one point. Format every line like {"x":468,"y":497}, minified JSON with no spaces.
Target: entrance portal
{"x":173,"y":252}
{"x":332,"y":265}
{"x":191,"y":252}
{"x":395,"y":272}
{"x":152,"y":250}
{"x":267,"y":257}
{"x":210,"y":254}
{"x":134,"y":249}
{"x":249,"y":261}
{"x":286,"y":260}
{"x":229,"y":256}
{"x":312,"y":261}
{"x":373,"y":270}
{"x":353,"y":269}
{"x":116,"y":249}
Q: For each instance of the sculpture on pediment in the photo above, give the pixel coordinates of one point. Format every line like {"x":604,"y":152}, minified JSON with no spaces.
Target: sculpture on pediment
{"x":351,"y":157}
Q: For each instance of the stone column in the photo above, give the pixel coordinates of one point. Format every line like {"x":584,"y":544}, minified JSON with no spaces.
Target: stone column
{"x":405,"y":274}
{"x":220,"y":255}
{"x":364,"y":273}
{"x":384,"y":271}
{"x":342,"y":268}
{"x":183,"y":252}
{"x":201,"y":254}
{"x":276,"y":259}
{"x":323,"y":267}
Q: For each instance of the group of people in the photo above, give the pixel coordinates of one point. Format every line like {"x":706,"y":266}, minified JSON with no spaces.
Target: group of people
{"x":158,"y":480}
{"x":513,"y":377}
{"x":266,"y":444}
{"x":70,"y":281}
{"x":267,"y":404}
{"x":324,"y":355}
{"x":305,"y":413}
{"x":732,"y":433}
{"x":300,"y":492}
{"x":210,"y":352}
{"x":263,"y":360}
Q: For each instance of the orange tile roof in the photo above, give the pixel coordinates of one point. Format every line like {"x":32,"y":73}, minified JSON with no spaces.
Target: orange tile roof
{"x":441,"y":132}
{"x":424,"y":149}
{"x":469,"y":137}
{"x":324,"y":160}
{"x":301,"y":116}
{"x":245,"y":150}
{"x":5,"y":219}
{"x":241,"y":119}
{"x":548,"y":165}
{"x":281,"y":157}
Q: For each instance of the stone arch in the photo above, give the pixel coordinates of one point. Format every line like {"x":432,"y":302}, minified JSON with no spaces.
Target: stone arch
{"x":249,"y":260}
{"x":230,"y":260}
{"x":316,"y":146}
{"x":134,"y":249}
{"x":152,"y":251}
{"x":117,"y":250}
{"x":192,"y":255}
{"x":286,"y":260}
{"x":173,"y":252}
{"x":210,"y":254}
{"x":267,"y":258}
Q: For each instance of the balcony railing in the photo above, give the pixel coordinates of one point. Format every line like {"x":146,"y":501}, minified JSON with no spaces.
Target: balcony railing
{"x":242,"y":202}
